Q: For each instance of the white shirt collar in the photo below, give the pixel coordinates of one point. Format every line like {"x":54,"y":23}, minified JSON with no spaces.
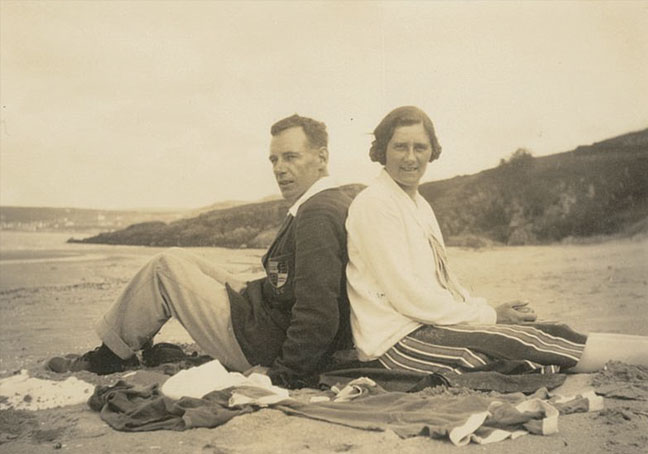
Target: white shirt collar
{"x":320,"y":185}
{"x":388,"y":181}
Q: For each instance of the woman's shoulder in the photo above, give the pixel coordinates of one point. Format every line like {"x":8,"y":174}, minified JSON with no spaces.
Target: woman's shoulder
{"x":374,"y":206}
{"x":373,"y":195}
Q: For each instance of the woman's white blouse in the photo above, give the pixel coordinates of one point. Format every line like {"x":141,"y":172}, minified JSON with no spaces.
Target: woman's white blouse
{"x":391,"y":274}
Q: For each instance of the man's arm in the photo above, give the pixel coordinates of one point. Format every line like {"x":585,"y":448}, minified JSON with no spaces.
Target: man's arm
{"x":320,"y":252}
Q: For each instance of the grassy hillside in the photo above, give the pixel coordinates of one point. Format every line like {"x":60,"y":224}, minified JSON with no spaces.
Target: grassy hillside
{"x":252,"y":225}
{"x":593,"y":190}
{"x":598,"y":189}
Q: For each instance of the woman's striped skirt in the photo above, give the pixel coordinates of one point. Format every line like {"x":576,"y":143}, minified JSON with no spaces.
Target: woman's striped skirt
{"x":536,"y":347}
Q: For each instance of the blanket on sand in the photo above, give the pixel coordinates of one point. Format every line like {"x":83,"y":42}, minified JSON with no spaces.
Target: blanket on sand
{"x":459,"y":415}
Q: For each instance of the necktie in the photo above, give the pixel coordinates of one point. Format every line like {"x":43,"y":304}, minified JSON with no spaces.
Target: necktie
{"x":282,"y":228}
{"x":444,"y":275}
{"x":284,"y":225}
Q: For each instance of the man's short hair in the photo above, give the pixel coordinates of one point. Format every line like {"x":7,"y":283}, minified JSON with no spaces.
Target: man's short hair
{"x":315,"y":130}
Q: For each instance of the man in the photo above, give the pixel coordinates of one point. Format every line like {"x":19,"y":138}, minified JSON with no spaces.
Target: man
{"x":287,"y":323}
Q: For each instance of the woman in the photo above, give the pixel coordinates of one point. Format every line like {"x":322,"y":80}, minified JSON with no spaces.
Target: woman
{"x":407,"y":309}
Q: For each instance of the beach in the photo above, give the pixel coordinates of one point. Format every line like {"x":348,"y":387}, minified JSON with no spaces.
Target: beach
{"x":51,"y":294}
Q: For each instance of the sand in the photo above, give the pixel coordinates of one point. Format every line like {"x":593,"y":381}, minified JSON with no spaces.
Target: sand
{"x":49,"y":301}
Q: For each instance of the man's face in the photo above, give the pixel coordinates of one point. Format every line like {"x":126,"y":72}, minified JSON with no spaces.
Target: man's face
{"x":295,"y":163}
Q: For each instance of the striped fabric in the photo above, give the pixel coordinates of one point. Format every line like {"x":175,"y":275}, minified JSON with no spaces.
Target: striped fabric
{"x":540,"y":348}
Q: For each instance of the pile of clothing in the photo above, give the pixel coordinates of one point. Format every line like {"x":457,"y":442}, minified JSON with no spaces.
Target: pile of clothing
{"x":481,"y":407}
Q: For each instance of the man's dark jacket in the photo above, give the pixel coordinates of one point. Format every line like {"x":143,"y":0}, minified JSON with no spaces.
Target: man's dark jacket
{"x":295,"y":317}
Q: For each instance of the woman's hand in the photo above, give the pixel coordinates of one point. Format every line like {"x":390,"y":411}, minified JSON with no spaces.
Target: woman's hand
{"x":515,"y":312}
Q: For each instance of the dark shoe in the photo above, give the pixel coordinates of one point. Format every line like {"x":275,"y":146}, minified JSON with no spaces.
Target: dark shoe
{"x":162,"y":353}
{"x":101,"y":361}
{"x":165,"y":353}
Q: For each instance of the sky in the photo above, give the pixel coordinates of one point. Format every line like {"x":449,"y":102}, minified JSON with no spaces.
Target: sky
{"x":129,"y":104}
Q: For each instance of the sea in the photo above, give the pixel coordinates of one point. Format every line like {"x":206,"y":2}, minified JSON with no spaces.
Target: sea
{"x":33,"y":247}
{"x":34,"y":259}
{"x":28,"y":253}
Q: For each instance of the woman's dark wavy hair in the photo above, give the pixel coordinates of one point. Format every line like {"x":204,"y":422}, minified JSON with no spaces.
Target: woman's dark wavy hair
{"x":401,"y":116}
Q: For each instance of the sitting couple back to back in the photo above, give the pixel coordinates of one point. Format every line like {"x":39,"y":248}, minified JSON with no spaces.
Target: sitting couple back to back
{"x":370,"y":274}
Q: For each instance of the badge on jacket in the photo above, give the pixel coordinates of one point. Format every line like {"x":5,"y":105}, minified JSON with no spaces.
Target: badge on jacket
{"x":277,"y":272}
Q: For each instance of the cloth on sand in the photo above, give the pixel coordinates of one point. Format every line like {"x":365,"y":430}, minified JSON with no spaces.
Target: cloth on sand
{"x":410,"y":381}
{"x":459,"y":418}
{"x":212,"y":376}
{"x":478,"y":418}
{"x":131,"y":408}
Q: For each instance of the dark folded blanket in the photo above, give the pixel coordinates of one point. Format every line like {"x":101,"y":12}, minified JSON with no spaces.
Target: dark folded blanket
{"x":407,"y":381}
{"x":130,"y":408}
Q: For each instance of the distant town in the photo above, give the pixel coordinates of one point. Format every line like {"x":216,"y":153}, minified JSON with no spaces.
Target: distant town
{"x":43,"y":219}
{"x":48,"y":219}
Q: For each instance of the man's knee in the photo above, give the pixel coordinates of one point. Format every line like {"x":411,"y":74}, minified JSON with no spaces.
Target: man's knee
{"x":167,"y":261}
{"x":176,"y":251}
{"x":170,"y":252}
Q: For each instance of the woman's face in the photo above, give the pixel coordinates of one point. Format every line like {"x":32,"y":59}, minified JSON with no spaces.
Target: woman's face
{"x":407,"y":156}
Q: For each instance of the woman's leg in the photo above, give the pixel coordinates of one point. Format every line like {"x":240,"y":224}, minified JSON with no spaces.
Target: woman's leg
{"x":473,"y":347}
{"x":603,"y":347}
{"x":505,"y":348}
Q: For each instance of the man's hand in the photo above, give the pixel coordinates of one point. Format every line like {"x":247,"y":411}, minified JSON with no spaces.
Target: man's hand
{"x":256,"y":370}
{"x":515,"y":312}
